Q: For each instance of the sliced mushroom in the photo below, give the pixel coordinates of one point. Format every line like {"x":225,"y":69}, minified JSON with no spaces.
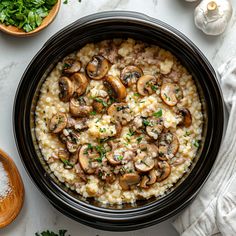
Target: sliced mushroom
{"x":118,"y":129}
{"x":72,"y":142}
{"x":99,"y":104}
{"x":164,"y":170}
{"x":152,"y":177}
{"x":115,"y":87}
{"x":130,"y":75}
{"x":66,"y":88}
{"x":154,"y":127}
{"x":120,"y":112}
{"x":185,"y":116}
{"x":58,"y":122}
{"x":145,"y":164}
{"x":98,"y":67}
{"x":144,"y":182}
{"x":129,"y":179}
{"x":78,"y":107}
{"x":168,"y":145}
{"x":80,"y":82}
{"x":81,"y":124}
{"x":71,"y":66}
{"x":114,"y":159}
{"x":171,"y":93}
{"x":148,"y":84}
{"x":138,"y":125}
{"x":63,"y":155}
{"x":74,"y":157}
{"x":86,"y":157}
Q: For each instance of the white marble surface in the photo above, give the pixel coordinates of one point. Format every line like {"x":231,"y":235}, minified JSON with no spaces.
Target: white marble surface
{"x":15,"y":53}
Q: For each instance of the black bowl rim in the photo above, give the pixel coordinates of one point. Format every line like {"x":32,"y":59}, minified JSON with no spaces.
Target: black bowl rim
{"x":118,"y":216}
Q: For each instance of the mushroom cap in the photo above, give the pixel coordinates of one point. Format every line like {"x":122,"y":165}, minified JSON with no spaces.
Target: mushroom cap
{"x":144,"y":87}
{"x":79,"y":110}
{"x":115,"y":87}
{"x":165,"y":170}
{"x":145,"y":164}
{"x":80,"y":83}
{"x":85,"y":158}
{"x":113,"y":159}
{"x":168,"y":144}
{"x":156,"y":127}
{"x":58,"y":122}
{"x":66,"y":88}
{"x":71,"y":66}
{"x":144,"y":182}
{"x":130,"y":75}
{"x":128,"y":180}
{"x":186,"y":117}
{"x":120,"y":112}
{"x":98,"y":67}
{"x":171,"y":93}
{"x":152,"y":177}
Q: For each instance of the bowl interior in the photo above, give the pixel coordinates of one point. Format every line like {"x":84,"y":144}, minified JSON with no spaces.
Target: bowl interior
{"x":93,"y":29}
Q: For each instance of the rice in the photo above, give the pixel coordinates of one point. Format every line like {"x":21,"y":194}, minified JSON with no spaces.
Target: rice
{"x":154,"y":61}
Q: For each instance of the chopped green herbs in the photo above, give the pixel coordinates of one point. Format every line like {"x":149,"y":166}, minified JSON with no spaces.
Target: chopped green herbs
{"x":167,"y":97}
{"x":187,"y":133}
{"x":154,"y":87}
{"x":66,"y":162}
{"x":102,"y":130}
{"x":131,"y":132}
{"x":121,"y":108}
{"x":101,"y":101}
{"x":136,"y":94}
{"x":26,"y":15}
{"x":62,"y":232}
{"x":93,"y":113}
{"x":158,"y":114}
{"x":196,"y":143}
{"x":139,"y":139}
{"x":119,"y":158}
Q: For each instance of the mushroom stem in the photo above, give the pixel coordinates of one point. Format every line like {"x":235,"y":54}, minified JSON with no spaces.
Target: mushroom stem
{"x":212,"y":8}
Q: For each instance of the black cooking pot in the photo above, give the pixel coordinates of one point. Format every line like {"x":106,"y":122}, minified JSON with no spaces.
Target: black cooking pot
{"x":106,"y":25}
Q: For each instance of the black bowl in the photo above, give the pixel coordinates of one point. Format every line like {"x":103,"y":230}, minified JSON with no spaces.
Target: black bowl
{"x":96,"y":28}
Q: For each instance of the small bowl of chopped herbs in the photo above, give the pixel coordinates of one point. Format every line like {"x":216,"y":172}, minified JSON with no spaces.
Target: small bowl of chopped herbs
{"x":27,"y":17}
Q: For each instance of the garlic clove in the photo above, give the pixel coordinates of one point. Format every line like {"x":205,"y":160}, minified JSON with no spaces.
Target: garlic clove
{"x":213,"y":16}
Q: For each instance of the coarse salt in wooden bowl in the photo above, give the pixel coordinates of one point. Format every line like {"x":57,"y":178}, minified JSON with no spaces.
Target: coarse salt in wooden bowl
{"x":12,"y":30}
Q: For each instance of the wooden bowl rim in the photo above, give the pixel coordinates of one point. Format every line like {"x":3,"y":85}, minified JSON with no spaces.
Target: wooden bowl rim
{"x":12,"y":30}
{"x":22,"y":190}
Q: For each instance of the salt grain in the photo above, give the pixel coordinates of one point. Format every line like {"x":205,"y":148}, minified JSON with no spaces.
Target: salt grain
{"x":4,"y":182}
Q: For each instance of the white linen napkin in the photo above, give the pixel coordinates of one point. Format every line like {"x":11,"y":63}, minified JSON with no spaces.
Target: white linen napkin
{"x":213,"y":212}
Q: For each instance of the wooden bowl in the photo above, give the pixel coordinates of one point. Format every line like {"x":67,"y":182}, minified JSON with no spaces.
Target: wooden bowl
{"x":11,"y":205}
{"x":12,"y":30}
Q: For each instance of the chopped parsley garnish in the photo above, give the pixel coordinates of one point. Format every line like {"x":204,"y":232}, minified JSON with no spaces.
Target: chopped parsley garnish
{"x":93,"y":113}
{"x":121,"y":108}
{"x":142,"y":161}
{"x":25,"y":15}
{"x":131,"y":132}
{"x":154,"y":87}
{"x":67,"y":163}
{"x":147,"y":123}
{"x":139,"y":139}
{"x":119,"y":158}
{"x":102,"y":130}
{"x":62,"y":232}
{"x":90,"y":147}
{"x":196,"y":143}
{"x":99,"y":159}
{"x":187,"y":133}
{"x":136,"y":94}
{"x":167,"y":97}
{"x":101,"y":101}
{"x":101,"y":150}
{"x":158,"y":114}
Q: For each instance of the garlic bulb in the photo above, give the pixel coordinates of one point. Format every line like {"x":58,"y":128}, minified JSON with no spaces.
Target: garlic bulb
{"x":212,"y":16}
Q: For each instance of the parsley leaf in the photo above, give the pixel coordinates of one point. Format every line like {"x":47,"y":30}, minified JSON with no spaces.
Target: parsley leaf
{"x":158,"y":114}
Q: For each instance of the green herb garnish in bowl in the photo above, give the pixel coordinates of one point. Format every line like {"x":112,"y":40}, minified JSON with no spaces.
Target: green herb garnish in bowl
{"x":26,"y":17}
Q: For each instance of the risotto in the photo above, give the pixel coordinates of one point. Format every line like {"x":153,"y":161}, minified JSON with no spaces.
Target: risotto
{"x":119,"y":120}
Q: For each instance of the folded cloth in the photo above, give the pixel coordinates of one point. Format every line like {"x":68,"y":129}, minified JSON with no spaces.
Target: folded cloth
{"x":213,"y":212}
